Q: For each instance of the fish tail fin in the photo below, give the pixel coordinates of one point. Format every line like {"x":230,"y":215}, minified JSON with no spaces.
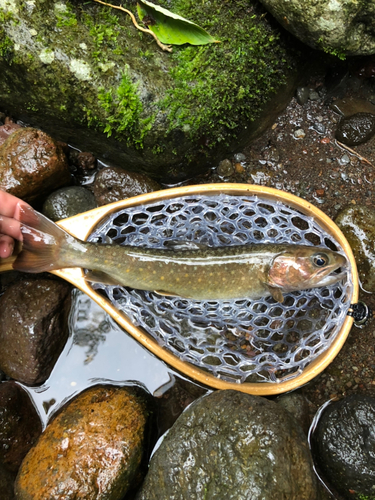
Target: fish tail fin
{"x":42,"y":241}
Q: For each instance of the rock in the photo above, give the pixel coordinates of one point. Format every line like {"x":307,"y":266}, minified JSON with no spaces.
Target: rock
{"x":356,"y":129}
{"x":302,"y":95}
{"x":33,"y":328}
{"x":358,"y":225}
{"x":115,"y":184}
{"x":6,"y":484}
{"x":7,"y":129}
{"x":230,"y":445}
{"x":225,"y":168}
{"x":68,"y":201}
{"x":341,"y":27}
{"x":93,"y":80}
{"x":350,"y":106}
{"x":92,"y":449}
{"x":32,"y":164}
{"x":298,"y":406}
{"x":20,"y":425}
{"x":344,"y":444}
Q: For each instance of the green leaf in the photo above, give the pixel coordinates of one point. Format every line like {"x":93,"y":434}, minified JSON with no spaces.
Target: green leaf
{"x":171,"y":28}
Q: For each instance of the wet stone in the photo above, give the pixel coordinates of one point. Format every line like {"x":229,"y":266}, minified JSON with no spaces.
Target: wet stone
{"x":344,"y":446}
{"x":33,"y":328}
{"x":115,"y":184}
{"x":230,"y":445}
{"x":239,"y":157}
{"x":6,"y":130}
{"x":302,"y":95}
{"x":356,"y":129}
{"x":68,"y":201}
{"x":92,"y":449}
{"x":20,"y":425}
{"x":358,"y":225}
{"x":6,"y":483}
{"x":225,"y":168}
{"x":32,"y":164}
{"x":298,"y":406}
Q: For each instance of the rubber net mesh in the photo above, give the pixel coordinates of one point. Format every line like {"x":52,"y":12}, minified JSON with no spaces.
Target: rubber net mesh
{"x":236,"y":340}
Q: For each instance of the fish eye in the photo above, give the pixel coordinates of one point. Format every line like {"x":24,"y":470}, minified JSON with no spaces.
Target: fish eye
{"x":320,"y":259}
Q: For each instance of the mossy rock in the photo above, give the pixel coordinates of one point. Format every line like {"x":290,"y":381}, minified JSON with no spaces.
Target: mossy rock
{"x":83,"y":72}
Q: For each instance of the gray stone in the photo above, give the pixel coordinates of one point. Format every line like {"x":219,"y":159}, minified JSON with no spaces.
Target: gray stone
{"x":336,"y":26}
{"x":231,"y":445}
{"x":68,"y":201}
{"x":344,"y":445}
{"x":84,"y":72}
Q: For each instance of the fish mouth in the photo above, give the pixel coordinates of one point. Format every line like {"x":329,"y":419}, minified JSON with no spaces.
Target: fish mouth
{"x":332,"y":274}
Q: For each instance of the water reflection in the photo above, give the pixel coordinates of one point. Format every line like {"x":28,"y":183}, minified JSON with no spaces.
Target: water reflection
{"x":97,"y":351}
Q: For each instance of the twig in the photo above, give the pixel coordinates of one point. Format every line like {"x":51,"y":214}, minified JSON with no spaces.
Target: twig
{"x":145,"y":30}
{"x":362,"y":158}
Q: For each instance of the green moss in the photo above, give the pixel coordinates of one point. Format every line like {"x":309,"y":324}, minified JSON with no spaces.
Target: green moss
{"x":65,"y":15}
{"x":123,"y":108}
{"x":216,"y":85}
{"x":340,"y":53}
{"x":104,"y":32}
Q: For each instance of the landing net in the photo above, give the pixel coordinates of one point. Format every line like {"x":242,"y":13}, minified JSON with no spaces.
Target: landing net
{"x":236,"y":340}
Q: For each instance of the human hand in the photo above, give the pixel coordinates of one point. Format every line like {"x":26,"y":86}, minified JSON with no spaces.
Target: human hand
{"x":9,"y":222}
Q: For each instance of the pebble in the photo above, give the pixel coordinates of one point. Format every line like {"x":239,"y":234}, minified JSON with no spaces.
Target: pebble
{"x":313,"y":95}
{"x":225,"y":168}
{"x":302,"y":95}
{"x":299,"y":134}
{"x":238,"y":157}
{"x":344,"y":160}
{"x":319,"y":127}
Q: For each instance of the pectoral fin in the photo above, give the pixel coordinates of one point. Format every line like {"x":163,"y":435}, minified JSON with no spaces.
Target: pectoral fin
{"x":100,"y":277}
{"x":276,"y":293}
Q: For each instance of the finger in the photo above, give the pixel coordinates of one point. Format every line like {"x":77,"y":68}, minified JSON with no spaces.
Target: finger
{"x":10,"y":205}
{"x":10,"y":227}
{"x":6,"y":246}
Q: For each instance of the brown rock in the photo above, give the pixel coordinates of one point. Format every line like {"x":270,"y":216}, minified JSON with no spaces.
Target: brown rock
{"x":7,"y":129}
{"x":32,"y":164}
{"x":115,"y":184}
{"x":20,"y":425}
{"x":33,"y":328}
{"x":91,"y":450}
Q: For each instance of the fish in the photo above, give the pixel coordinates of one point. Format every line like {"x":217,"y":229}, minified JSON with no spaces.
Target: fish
{"x":186,"y":269}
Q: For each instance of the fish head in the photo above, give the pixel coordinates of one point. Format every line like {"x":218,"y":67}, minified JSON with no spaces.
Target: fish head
{"x":306,"y":267}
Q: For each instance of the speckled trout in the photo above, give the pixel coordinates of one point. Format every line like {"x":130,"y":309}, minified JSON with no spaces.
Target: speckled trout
{"x":184,"y":269}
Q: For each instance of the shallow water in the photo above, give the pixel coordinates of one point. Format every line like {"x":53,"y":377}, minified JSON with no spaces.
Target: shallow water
{"x":97,"y":351}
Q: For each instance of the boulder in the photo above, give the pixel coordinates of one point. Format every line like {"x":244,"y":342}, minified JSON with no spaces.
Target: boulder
{"x":229,"y":445}
{"x":340,"y":27}
{"x":344,"y":444}
{"x":88,"y":76}
{"x":91,"y":450}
